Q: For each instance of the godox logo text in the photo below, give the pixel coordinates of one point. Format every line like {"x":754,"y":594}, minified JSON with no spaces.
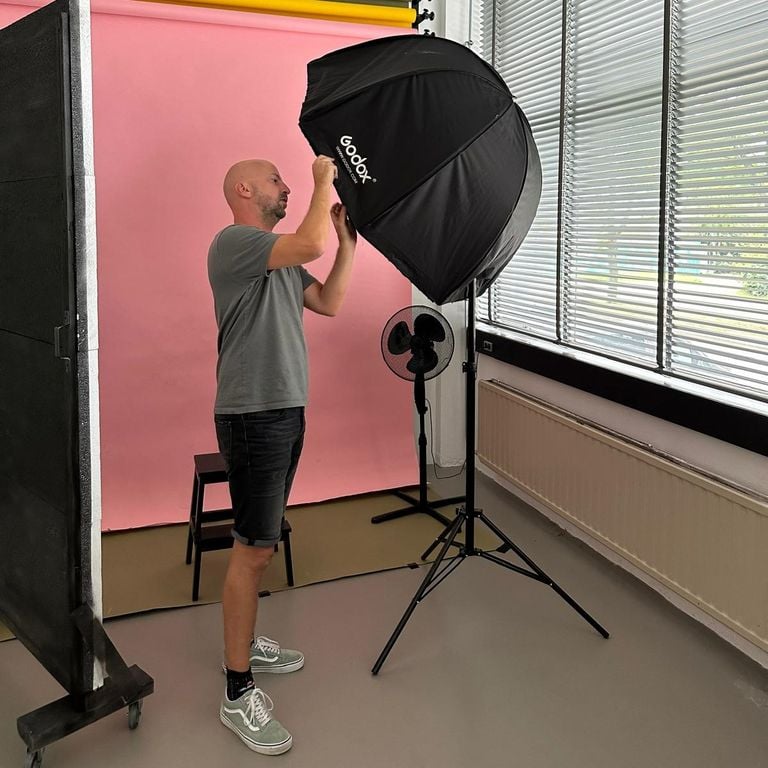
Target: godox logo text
{"x":357,"y":161}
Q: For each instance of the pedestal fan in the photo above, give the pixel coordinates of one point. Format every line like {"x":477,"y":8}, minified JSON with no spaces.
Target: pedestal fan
{"x":417,"y":345}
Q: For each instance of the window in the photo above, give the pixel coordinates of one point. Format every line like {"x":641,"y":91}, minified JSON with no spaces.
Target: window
{"x":523,"y":42}
{"x":650,"y":245}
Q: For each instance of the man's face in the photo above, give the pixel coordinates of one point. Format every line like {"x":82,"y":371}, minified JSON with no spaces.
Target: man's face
{"x":271,"y":194}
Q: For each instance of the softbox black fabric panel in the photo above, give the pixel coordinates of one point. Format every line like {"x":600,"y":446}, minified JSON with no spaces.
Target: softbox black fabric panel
{"x":437,"y":164}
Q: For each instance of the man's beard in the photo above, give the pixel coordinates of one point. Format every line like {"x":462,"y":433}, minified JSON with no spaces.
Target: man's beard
{"x":271,"y":209}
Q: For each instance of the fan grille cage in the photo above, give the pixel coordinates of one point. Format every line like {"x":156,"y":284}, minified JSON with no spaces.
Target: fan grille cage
{"x":400,"y":331}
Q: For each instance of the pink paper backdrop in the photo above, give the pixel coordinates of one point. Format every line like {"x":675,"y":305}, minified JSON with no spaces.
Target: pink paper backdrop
{"x":176,"y":102}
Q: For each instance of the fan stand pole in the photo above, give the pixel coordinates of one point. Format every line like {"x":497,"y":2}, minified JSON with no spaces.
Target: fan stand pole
{"x":466,"y":516}
{"x":422,"y":504}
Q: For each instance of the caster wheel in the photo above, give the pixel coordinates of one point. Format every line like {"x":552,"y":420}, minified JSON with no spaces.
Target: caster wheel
{"x":134,"y":715}
{"x":33,"y":759}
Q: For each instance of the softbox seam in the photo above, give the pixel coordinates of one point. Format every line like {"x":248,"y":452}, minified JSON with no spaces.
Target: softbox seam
{"x":320,"y":111}
{"x":440,"y":167}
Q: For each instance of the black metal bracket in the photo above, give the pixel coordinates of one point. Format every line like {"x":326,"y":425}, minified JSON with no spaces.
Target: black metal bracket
{"x":422,"y":16}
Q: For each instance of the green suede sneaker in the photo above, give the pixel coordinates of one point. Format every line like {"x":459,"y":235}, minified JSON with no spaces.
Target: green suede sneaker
{"x":268,"y":656}
{"x":250,"y":718}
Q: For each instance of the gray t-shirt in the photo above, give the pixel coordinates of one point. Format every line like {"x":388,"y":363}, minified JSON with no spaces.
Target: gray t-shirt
{"x":262,"y":352}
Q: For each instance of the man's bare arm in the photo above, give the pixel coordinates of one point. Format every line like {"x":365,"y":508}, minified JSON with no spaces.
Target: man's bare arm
{"x":308,"y":242}
{"x":327,"y":298}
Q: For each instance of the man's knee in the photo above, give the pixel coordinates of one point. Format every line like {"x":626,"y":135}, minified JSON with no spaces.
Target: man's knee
{"x":253,"y":558}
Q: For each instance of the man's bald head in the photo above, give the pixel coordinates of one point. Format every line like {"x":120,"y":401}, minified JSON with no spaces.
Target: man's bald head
{"x":256,"y":193}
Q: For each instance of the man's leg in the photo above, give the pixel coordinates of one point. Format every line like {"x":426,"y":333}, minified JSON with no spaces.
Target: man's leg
{"x":245,"y":709}
{"x":258,"y":459}
{"x":240,"y":599}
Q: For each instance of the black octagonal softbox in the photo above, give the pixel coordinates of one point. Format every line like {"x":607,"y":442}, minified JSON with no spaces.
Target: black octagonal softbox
{"x":437,"y":164}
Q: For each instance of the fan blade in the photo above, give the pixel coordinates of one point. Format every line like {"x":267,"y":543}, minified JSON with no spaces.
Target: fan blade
{"x":399,"y":339}
{"x":423,"y":361}
{"x":429,"y":327}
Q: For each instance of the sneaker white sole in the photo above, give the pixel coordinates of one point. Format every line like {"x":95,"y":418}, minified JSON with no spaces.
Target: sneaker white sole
{"x":277,"y":669}
{"x":262,"y":749}
{"x":274,"y":670}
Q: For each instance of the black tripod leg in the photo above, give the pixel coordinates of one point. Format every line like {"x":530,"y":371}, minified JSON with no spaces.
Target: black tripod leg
{"x":441,"y":538}
{"x":543,"y":577}
{"x":419,"y":594}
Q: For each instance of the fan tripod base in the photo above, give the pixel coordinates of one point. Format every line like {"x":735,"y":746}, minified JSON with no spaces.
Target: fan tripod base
{"x":418,"y":505}
{"x":443,"y":566}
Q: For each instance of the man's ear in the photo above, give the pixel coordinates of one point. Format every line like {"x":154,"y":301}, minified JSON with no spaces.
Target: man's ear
{"x":243,"y":189}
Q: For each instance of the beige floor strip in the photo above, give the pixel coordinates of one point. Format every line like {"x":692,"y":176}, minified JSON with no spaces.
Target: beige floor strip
{"x":144,"y":569}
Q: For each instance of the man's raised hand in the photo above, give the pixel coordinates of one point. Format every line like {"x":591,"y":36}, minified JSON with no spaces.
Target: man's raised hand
{"x":343,"y":226}
{"x":323,"y":170}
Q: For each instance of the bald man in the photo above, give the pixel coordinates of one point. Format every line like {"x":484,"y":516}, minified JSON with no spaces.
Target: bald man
{"x":260,"y":288}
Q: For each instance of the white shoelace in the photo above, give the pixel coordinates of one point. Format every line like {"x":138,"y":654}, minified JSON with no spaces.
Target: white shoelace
{"x":267,"y":646}
{"x":259,"y":707}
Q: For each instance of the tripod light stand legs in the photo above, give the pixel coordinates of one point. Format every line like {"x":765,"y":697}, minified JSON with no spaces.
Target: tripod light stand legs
{"x":432,"y":579}
{"x":535,"y":573}
{"x":439,"y":540}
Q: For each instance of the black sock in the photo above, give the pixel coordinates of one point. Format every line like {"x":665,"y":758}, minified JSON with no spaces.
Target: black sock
{"x":238,"y":683}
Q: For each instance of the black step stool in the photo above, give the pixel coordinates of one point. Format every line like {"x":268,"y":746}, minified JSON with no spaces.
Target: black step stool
{"x":210,"y":468}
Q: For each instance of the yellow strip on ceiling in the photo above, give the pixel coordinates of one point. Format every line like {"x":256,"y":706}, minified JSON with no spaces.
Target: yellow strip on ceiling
{"x":327,"y":10}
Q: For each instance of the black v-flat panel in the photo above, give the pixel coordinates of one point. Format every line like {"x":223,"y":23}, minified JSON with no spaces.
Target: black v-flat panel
{"x":33,"y":256}
{"x":32,"y":117}
{"x":41,"y":545}
{"x":34,"y":245}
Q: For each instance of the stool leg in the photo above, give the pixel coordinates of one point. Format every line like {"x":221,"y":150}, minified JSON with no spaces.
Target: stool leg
{"x":288,"y":558}
{"x":199,"y":501}
{"x":192,"y":509}
{"x":196,"y":574}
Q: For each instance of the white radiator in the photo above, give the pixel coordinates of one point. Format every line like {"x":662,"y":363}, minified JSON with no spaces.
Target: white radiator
{"x":703,"y":539}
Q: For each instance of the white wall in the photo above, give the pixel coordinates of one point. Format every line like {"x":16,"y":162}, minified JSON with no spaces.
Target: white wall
{"x":447,"y":392}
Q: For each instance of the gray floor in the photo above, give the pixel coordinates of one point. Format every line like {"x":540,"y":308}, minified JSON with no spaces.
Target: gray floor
{"x":492,"y":670}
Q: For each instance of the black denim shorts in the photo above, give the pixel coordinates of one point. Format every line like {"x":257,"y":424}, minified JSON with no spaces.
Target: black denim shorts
{"x":262,"y":452}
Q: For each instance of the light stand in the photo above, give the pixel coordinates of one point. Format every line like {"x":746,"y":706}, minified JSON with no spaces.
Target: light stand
{"x":422,"y":504}
{"x":467,"y":515}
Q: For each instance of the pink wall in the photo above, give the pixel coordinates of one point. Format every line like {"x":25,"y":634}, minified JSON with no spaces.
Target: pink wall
{"x":175,"y":103}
